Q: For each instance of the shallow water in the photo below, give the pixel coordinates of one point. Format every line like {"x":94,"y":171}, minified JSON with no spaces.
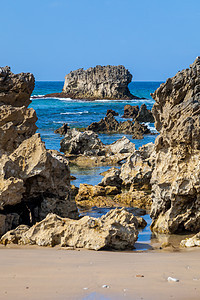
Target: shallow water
{"x":52,"y":113}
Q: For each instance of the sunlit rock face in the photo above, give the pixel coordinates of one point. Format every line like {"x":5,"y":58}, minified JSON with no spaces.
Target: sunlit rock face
{"x":100,"y":82}
{"x":176,"y":175}
{"x":34,"y":181}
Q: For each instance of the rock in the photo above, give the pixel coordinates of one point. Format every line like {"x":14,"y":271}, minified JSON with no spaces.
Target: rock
{"x":85,"y":149}
{"x":122,"y":145}
{"x":191,"y":242}
{"x":139,"y":130}
{"x":112,"y":112}
{"x":86,"y":143}
{"x":175,"y":178}
{"x":141,"y":114}
{"x":90,"y":196}
{"x":13,"y":236}
{"x":115,"y":230}
{"x":33,"y":181}
{"x":135,"y":198}
{"x":15,"y":89}
{"x":100,"y":82}
{"x":130,"y":111}
{"x":112,"y":178}
{"x":144,"y":115}
{"x":137,"y":170}
{"x":108,"y":124}
{"x":141,"y":222}
{"x":63,"y":129}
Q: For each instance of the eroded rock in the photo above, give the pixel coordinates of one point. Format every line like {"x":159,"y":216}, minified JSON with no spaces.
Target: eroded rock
{"x":175,"y":179}
{"x":115,"y":230}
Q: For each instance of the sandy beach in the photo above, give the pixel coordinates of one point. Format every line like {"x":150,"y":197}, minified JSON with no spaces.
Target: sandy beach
{"x":52,"y":273}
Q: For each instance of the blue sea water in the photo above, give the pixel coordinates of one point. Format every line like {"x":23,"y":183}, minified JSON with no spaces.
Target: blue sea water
{"x":52,"y":112}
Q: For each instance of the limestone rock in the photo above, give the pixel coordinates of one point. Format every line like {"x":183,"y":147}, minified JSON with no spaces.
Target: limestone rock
{"x":144,"y":115}
{"x":15,"y":89}
{"x":130,"y":111}
{"x":108,"y":124}
{"x":112,"y":112}
{"x":137,"y":170}
{"x":135,"y":198}
{"x":63,"y":129}
{"x":175,"y":179}
{"x":122,"y":145}
{"x":112,"y":178}
{"x":115,"y":230}
{"x":100,"y":82}
{"x":33,"y":181}
{"x":191,"y":242}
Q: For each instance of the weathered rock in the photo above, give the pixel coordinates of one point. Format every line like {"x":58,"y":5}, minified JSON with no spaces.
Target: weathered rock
{"x":108,"y":124}
{"x":130,"y":111}
{"x":86,"y":149}
{"x":100,"y":82}
{"x":112,"y":178}
{"x":139,"y":130}
{"x":86,"y":143}
{"x":144,"y":115}
{"x":191,"y":242}
{"x":135,"y":198}
{"x":137,"y":170}
{"x":63,"y":129}
{"x":175,"y":179}
{"x":15,"y":89}
{"x":116,"y":230}
{"x":112,"y":112}
{"x":33,"y":181}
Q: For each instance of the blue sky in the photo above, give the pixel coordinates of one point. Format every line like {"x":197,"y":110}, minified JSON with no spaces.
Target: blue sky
{"x":153,"y":39}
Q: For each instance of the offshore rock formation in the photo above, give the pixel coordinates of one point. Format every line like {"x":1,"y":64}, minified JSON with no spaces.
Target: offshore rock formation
{"x":100,"y":82}
{"x":33,"y":181}
{"x":141,"y":114}
{"x":86,"y":149}
{"x":175,"y":179}
{"x":110,"y":125}
{"x":115,"y":230}
{"x":63,"y":129}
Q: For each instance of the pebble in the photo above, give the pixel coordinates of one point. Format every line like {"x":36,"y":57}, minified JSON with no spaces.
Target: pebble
{"x":105,"y":286}
{"x":85,"y":288}
{"x":139,"y":275}
{"x":172,"y":279}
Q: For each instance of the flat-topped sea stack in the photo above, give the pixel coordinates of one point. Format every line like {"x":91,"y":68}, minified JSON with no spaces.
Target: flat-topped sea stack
{"x":176,"y":175}
{"x":100,"y":82}
{"x":34,"y":181}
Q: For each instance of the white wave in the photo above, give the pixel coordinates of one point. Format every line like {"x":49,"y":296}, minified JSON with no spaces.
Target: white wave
{"x":75,"y":113}
{"x":37,"y":96}
{"x":58,"y":122}
{"x":151,"y":127}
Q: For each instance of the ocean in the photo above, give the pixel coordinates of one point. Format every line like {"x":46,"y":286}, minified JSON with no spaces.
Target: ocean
{"x":53,"y":112}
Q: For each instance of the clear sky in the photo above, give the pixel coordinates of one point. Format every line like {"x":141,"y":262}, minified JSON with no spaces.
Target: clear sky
{"x":152,"y":38}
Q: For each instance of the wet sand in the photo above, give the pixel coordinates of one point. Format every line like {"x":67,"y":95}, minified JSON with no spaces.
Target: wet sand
{"x":51,"y":273}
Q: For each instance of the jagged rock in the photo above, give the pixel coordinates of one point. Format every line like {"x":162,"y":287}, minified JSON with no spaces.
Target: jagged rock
{"x":115,"y":230}
{"x":86,"y":149}
{"x":100,"y":82}
{"x":137,"y":170}
{"x":108,"y":124}
{"x":130,"y":111}
{"x":33,"y":181}
{"x":112,"y":178}
{"x":191,"y":242}
{"x":135,"y":198}
{"x":144,"y":115}
{"x":175,"y":179}
{"x":112,"y":112}
{"x":63,"y":129}
{"x":15,"y":89}
{"x":139,"y":130}
{"x":141,"y":222}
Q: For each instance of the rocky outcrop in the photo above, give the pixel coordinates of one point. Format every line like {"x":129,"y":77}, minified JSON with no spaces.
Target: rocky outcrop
{"x":141,"y":114}
{"x":137,"y":169}
{"x":191,"y":242}
{"x":33,"y":181}
{"x":100,"y":82}
{"x":112,"y":112}
{"x":86,"y":149}
{"x":175,"y":179}
{"x":115,"y":230}
{"x":110,"y":125}
{"x":63,"y":129}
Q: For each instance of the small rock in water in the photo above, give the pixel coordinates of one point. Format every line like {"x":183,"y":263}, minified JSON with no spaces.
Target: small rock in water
{"x":172,"y":279}
{"x":105,"y":286}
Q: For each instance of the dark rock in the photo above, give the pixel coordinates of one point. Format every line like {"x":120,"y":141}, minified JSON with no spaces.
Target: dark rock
{"x":130,"y":111}
{"x":112,"y":112}
{"x":144,"y":115}
{"x":63,"y":129}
